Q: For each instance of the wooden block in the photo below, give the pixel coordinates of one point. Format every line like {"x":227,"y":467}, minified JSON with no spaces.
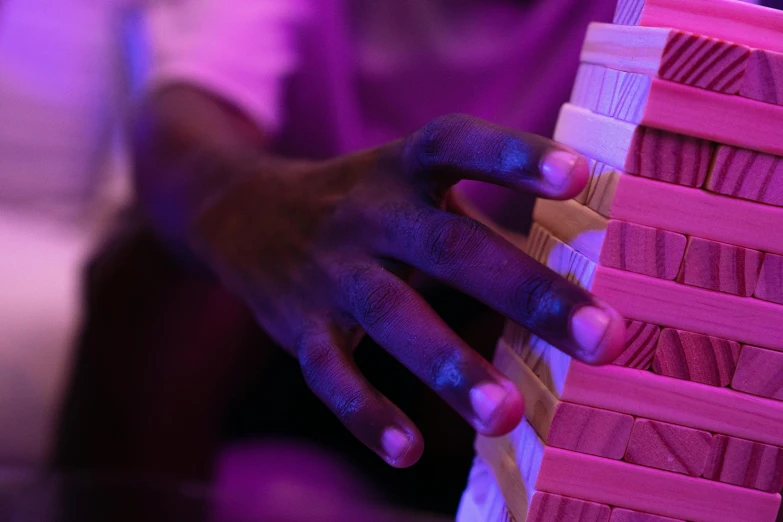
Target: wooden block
{"x":759,"y":372}
{"x":745,"y":463}
{"x":547,"y":507}
{"x":641,"y":340}
{"x":684,"y":210}
{"x":745,"y":319}
{"x":696,"y":357}
{"x":763,"y":78}
{"x":740,"y":22}
{"x":617,"y":244}
{"x":615,"y":483}
{"x":770,"y":283}
{"x":673,"y":55}
{"x":643,"y":250}
{"x":651,"y":490}
{"x":747,"y":174}
{"x":721,"y":267}
{"x":634,"y":149}
{"x":669,"y":447}
{"x":681,"y":109}
{"x":645,"y":394}
{"x":565,"y":425}
{"x":627,"y":515}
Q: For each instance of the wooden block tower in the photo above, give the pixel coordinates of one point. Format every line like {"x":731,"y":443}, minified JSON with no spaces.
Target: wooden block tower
{"x":679,"y":107}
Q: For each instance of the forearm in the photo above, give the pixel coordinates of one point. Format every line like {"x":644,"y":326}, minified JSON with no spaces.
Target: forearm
{"x":188,"y":148}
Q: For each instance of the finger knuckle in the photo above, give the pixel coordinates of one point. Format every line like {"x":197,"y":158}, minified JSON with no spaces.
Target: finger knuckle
{"x":318,"y":362}
{"x":378,"y":303}
{"x":349,"y":404}
{"x":445,"y":368}
{"x":451,"y":240}
{"x":533,"y":297}
{"x":433,"y":143}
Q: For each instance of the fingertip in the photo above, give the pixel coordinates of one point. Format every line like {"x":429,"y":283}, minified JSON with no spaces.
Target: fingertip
{"x":401,"y":448}
{"x":498,"y":407}
{"x":565,"y":173}
{"x":599,"y":332}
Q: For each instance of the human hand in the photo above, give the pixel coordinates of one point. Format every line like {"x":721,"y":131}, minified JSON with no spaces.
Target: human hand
{"x":318,"y":250}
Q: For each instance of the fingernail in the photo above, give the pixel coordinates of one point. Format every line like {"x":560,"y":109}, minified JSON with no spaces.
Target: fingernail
{"x":556,"y":168}
{"x":486,"y":400}
{"x":588,"y":327}
{"x":395,"y":443}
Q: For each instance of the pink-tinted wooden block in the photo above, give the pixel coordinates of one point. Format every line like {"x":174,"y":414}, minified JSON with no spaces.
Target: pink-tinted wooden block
{"x":627,"y":515}
{"x":696,"y":357}
{"x":748,"y":320}
{"x":547,"y":507}
{"x":759,"y":372}
{"x":719,"y":266}
{"x":671,"y":157}
{"x":763,"y":78}
{"x":645,"y":394}
{"x":589,"y":430}
{"x":668,"y":447}
{"x":740,"y":22}
{"x":621,"y":484}
{"x":644,"y":250}
{"x":770,"y":283}
{"x":685,"y":210}
{"x":640,"y":342}
{"x":745,"y":463}
{"x":747,"y":174}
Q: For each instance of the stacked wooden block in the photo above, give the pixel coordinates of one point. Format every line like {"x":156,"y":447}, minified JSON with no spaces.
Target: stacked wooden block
{"x":679,"y":107}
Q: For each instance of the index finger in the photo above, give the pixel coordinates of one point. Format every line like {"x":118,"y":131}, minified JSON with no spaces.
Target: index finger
{"x":457,"y":147}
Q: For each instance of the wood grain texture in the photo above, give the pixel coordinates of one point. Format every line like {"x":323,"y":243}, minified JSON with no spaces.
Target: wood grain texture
{"x":759,"y":372}
{"x":747,"y":174}
{"x":669,"y":447}
{"x":645,"y":394}
{"x":748,"y":320}
{"x":589,"y":430}
{"x":721,"y":267}
{"x":682,"y":57}
{"x":763,"y":78}
{"x":641,"y":488}
{"x":745,"y":463}
{"x":770,"y":284}
{"x":547,"y":507}
{"x":644,"y":250}
{"x":670,"y":106}
{"x":601,"y":187}
{"x":686,"y":403}
{"x":627,"y":515}
{"x":743,"y":23}
{"x":696,"y":357}
{"x":685,"y":210}
{"x":640,"y":342}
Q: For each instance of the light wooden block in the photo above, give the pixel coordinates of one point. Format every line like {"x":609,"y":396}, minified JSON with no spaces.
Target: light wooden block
{"x":721,"y":267}
{"x":747,"y":174}
{"x":614,"y":483}
{"x":685,"y":210}
{"x":669,"y":447}
{"x":696,"y":357}
{"x":763,"y":79}
{"x":547,"y":507}
{"x":618,"y":244}
{"x":748,"y":320}
{"x":678,"y":56}
{"x":740,"y":22}
{"x":641,"y":340}
{"x":660,"y":104}
{"x":745,"y":463}
{"x":770,"y":283}
{"x":565,"y":425}
{"x":645,"y":394}
{"x":635,"y":149}
{"x":759,"y":372}
{"x":627,"y":515}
